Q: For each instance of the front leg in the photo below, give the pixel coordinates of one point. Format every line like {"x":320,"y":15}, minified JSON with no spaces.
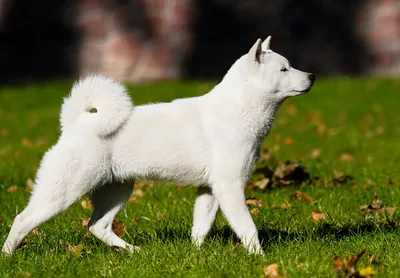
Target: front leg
{"x":205,"y":209}
{"x":232,"y":201}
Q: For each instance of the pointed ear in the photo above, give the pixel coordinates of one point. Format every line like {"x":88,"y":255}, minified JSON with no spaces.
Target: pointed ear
{"x":266,"y":43}
{"x":254,"y":54}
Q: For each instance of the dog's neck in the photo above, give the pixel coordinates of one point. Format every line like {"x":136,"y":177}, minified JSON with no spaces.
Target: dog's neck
{"x":253,"y":107}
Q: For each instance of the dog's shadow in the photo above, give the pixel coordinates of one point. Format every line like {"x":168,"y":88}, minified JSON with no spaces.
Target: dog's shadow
{"x":273,"y":236}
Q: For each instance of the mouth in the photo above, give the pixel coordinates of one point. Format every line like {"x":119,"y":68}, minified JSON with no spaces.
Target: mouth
{"x":302,"y":91}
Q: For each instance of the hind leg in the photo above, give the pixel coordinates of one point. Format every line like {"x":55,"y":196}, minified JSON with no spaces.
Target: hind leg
{"x":43,"y":205}
{"x":205,"y":210}
{"x":108,"y":200}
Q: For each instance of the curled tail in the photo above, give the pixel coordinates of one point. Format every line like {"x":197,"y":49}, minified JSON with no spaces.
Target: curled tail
{"x":98,"y":102}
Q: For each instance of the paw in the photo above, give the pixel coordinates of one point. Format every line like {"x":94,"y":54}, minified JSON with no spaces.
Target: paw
{"x":6,"y":251}
{"x":198,"y":240}
{"x":131,"y":248}
{"x":255,"y":250}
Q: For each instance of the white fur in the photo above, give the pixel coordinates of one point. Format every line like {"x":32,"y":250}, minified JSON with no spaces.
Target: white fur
{"x":210,"y":141}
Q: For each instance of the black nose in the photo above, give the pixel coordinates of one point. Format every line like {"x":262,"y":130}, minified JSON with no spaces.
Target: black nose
{"x":311,"y":76}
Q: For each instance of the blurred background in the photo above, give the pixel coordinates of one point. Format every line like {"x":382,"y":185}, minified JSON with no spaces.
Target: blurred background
{"x":148,"y":40}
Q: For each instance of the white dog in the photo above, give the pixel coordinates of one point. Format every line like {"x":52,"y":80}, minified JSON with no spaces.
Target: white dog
{"x":211,"y":142}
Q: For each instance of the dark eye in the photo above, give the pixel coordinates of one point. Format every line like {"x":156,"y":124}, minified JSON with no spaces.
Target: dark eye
{"x":283,"y":69}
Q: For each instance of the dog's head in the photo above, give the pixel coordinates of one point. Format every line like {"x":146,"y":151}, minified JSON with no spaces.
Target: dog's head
{"x":272,"y":72}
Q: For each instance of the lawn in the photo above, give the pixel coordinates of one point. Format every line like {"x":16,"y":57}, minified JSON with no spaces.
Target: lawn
{"x":345,"y":132}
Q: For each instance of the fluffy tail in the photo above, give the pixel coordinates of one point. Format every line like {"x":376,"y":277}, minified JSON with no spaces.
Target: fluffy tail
{"x":98,"y":101}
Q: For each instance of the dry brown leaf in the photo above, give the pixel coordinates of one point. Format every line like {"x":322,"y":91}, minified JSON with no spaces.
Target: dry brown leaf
{"x":288,"y":141}
{"x":139,"y":192}
{"x":264,"y":156}
{"x":132,"y":198}
{"x":380,"y":130}
{"x":347,"y":267}
{"x":265,"y":171}
{"x":255,"y":211}
{"x":332,"y":131}
{"x":254,"y":202}
{"x":291,"y":110}
{"x":321,"y":129}
{"x":286,"y":206}
{"x":87,"y":204}
{"x":291,"y":172}
{"x":346,"y":157}
{"x":315,"y":153}
{"x":85,"y":222}
{"x":26,"y":142}
{"x":76,"y":250}
{"x":367,"y":272}
{"x":41,"y":141}
{"x":318,"y":215}
{"x":29,"y":184}
{"x":263,"y":183}
{"x":272,"y":271}
{"x":118,"y":228}
{"x":36,"y":232}
{"x":377,"y":207}
{"x":3,"y":132}
{"x":237,"y":245}
{"x":304,"y":197}
{"x":12,"y":188}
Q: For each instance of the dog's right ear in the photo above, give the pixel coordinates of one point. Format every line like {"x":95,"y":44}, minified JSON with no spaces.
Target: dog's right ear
{"x":254,"y":55}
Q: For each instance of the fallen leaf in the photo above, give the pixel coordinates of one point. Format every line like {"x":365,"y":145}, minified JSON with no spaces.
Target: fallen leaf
{"x":3,"y":132}
{"x":300,"y":266}
{"x":265,"y":171}
{"x":76,"y":250}
{"x":318,"y":215}
{"x":291,"y":172}
{"x":118,"y":228}
{"x":291,"y":110}
{"x":41,"y":141}
{"x":139,"y":192}
{"x":346,"y":157}
{"x":367,"y":272}
{"x":25,"y":274}
{"x":263,"y":183}
{"x":237,"y":245}
{"x":377,"y":207}
{"x":264,"y":156}
{"x":380,"y":130}
{"x":315,"y":153}
{"x":288,"y":141}
{"x":255,"y":211}
{"x":29,"y":184}
{"x":304,"y":197}
{"x":286,"y":206}
{"x":36,"y":232}
{"x":132,"y":198}
{"x":12,"y":188}
{"x":272,"y":271}
{"x":340,"y":178}
{"x":321,"y":129}
{"x":87,"y":204}
{"x":254,"y":202}
{"x":26,"y":142}
{"x":85,"y":222}
{"x":347,"y":267}
{"x":332,"y":131}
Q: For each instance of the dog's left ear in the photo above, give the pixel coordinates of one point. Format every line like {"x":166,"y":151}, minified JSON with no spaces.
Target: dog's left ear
{"x":266,"y":43}
{"x":254,"y":55}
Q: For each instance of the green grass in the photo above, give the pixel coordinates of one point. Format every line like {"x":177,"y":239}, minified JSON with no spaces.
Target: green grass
{"x":340,"y":115}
